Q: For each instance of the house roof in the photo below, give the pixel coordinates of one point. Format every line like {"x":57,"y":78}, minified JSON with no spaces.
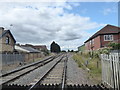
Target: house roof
{"x":40,"y":46}
{"x":26,"y":49}
{"x":108,"y":29}
{"x":5,"y":32}
{"x":18,"y":48}
{"x":1,"y":28}
{"x":81,"y":45}
{"x":30,"y":49}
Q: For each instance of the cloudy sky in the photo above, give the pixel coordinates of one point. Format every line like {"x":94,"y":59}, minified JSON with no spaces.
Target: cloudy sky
{"x":67,"y":23}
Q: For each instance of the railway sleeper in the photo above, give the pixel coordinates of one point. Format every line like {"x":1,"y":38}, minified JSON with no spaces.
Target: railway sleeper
{"x":54,"y":87}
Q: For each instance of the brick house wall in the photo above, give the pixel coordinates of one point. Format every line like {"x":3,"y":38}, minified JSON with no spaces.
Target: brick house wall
{"x":93,"y":44}
{"x":119,"y":37}
{"x":87,"y":46}
{"x":115,"y":39}
{"x":7,"y":47}
{"x":97,"y":41}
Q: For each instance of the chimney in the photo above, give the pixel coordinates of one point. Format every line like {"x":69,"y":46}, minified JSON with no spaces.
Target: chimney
{"x":1,"y":30}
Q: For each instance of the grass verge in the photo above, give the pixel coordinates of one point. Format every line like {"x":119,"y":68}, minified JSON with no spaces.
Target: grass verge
{"x":93,"y":64}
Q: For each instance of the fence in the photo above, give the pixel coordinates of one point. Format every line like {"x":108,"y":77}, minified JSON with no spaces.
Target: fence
{"x":12,"y":58}
{"x":111,"y":69}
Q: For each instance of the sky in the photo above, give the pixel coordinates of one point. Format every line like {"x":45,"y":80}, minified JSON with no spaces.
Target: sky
{"x":69,"y":24}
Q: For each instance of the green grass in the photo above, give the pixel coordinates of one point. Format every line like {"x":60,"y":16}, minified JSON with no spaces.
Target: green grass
{"x":94,"y":65}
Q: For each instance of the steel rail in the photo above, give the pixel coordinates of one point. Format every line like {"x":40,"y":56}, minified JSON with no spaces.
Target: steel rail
{"x":27,"y":66}
{"x":28,"y":71}
{"x":24,"y":73}
{"x":38,"y":82}
{"x":64,"y":74}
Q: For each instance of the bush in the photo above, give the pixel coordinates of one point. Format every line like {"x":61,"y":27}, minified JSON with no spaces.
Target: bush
{"x":114,"y":46}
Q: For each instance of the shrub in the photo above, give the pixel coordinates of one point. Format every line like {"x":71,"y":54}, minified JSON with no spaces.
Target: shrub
{"x":114,"y":46}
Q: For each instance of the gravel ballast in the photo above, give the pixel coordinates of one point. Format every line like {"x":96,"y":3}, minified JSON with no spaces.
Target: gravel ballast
{"x":38,"y":73}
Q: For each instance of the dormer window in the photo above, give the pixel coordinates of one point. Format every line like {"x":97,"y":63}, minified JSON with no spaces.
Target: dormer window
{"x":7,"y":40}
{"x":108,"y":37}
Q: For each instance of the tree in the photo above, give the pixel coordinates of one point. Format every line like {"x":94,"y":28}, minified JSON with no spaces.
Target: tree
{"x":63,"y":51}
{"x":68,"y":50}
{"x":55,"y":47}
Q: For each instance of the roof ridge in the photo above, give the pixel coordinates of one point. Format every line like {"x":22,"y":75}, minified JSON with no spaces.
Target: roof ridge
{"x":101,"y":31}
{"x":113,"y":25}
{"x":6,"y":31}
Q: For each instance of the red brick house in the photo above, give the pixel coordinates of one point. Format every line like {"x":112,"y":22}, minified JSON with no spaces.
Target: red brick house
{"x":100,"y":39}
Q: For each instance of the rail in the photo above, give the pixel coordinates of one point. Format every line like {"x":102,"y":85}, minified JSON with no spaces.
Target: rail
{"x":36,"y":85}
{"x":26,"y":66}
{"x":16,"y":77}
{"x":64,"y":73}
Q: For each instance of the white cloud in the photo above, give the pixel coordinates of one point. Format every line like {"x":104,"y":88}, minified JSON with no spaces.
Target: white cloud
{"x":108,"y":11}
{"x":42,"y":23}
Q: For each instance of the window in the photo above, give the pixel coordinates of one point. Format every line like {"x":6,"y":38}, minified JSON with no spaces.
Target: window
{"x":92,"y":41}
{"x":108,"y":37}
{"x":7,"y":40}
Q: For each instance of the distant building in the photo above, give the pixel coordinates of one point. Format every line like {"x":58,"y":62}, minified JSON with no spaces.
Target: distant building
{"x":38,"y":47}
{"x":41,"y":47}
{"x":29,"y":52}
{"x":104,"y":36}
{"x":81,"y":48}
{"x":26,"y":49}
{"x":7,"y":41}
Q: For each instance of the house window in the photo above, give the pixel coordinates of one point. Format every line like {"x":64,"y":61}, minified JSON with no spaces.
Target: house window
{"x":92,"y":41}
{"x":108,"y":37}
{"x":7,"y":40}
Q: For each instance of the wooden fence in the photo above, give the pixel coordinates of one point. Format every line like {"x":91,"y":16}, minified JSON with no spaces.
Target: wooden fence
{"x":111,"y":69}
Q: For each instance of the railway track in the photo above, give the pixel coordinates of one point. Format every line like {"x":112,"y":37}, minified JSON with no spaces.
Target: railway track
{"x":15,"y":74}
{"x":55,"y":75}
{"x":52,"y":75}
{"x":57,"y":87}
